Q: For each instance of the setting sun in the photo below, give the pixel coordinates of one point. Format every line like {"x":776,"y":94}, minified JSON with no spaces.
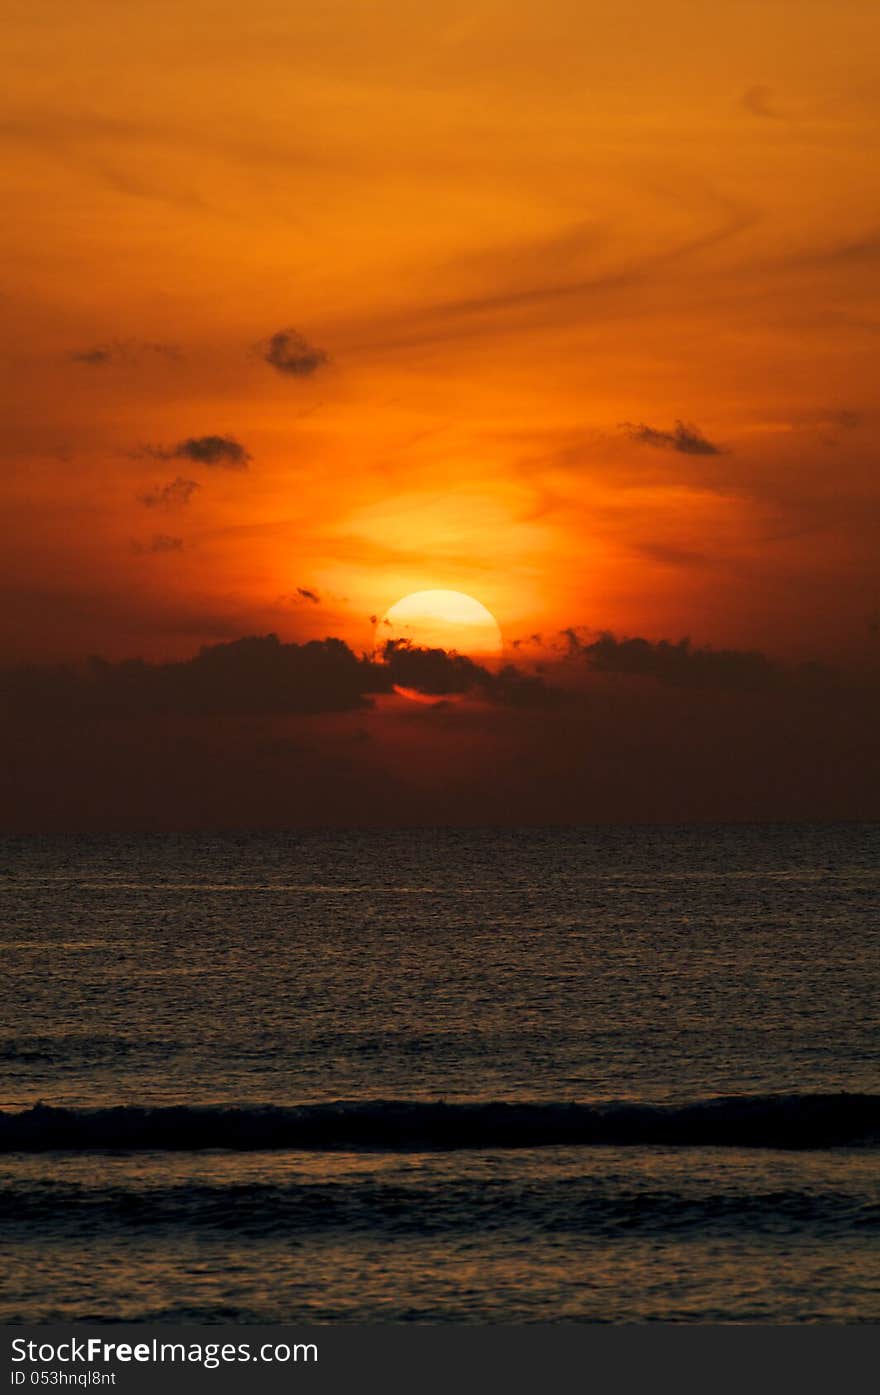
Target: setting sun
{"x":447,"y":620}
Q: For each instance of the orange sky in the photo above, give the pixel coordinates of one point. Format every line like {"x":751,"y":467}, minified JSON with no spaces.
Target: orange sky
{"x":512,"y":228}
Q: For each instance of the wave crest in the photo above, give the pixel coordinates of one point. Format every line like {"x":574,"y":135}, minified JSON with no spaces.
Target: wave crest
{"x":753,"y":1121}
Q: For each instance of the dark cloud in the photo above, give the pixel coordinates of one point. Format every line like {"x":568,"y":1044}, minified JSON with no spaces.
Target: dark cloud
{"x":687,"y":440}
{"x":288,"y":352}
{"x":307,"y":595}
{"x":676,"y":663}
{"x":251,"y":676}
{"x":159,"y":543}
{"x":222,"y":451}
{"x":440,"y":674}
{"x":122,"y":351}
{"x":169,"y":496}
{"x":229,"y":739}
{"x":261,"y":675}
{"x":218,"y":452}
{"x":257,"y":675}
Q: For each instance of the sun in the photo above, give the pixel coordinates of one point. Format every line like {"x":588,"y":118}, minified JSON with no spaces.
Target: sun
{"x":442,"y":620}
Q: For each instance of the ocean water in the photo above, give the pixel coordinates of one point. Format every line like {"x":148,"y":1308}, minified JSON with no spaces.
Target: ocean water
{"x":527,"y":1075}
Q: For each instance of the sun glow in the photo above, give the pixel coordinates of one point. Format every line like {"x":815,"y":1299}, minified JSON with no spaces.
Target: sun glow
{"x":449,"y":620}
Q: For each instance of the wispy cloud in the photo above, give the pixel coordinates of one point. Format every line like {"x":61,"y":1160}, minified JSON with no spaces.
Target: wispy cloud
{"x":686,"y":439}
{"x":169,"y":496}
{"x":159,"y":543}
{"x":534,"y":293}
{"x":120,"y":352}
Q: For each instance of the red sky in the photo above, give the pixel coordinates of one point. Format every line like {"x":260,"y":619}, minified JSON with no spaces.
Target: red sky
{"x":571,"y":308}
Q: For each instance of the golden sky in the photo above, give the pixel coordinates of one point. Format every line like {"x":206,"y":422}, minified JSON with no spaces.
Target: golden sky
{"x":571,"y":307}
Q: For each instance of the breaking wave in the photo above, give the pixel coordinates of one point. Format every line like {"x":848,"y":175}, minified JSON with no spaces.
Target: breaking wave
{"x":796,"y":1121}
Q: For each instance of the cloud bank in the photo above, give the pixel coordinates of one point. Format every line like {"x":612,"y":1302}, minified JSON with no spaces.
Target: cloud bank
{"x":264,"y":674}
{"x":257,"y":732}
{"x":678,"y":663}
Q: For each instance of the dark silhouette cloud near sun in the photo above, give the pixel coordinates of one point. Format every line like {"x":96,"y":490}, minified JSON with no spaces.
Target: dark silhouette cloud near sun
{"x":267,"y":675}
{"x":680,"y":664}
{"x":258,"y":732}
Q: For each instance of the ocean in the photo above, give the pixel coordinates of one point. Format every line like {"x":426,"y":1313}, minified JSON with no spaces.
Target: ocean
{"x":439,"y":1075}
